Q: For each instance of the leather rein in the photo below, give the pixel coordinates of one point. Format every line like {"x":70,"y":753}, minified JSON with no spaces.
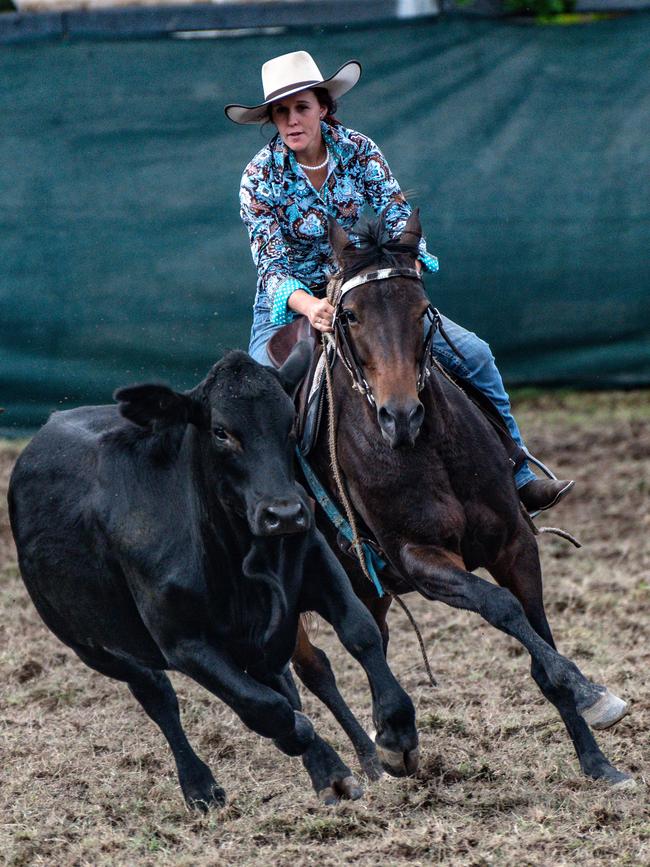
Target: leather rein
{"x":344,"y":347}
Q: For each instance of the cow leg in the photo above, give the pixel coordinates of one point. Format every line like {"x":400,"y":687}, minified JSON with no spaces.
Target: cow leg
{"x":519,"y":570}
{"x":313,"y":668}
{"x":330,"y":777}
{"x":155,"y":693}
{"x":329,"y":593}
{"x":440,"y":575}
{"x":264,"y":709}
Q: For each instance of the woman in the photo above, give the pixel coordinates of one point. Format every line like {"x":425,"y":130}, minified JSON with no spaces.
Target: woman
{"x":314,"y":168}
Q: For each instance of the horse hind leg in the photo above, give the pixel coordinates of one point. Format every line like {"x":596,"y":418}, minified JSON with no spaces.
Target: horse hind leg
{"x":155,"y":693}
{"x":440,"y":575}
{"x":315,"y":671}
{"x":519,"y":570}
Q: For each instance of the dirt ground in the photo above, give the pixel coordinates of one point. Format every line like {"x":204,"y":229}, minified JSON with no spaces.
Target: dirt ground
{"x":86,"y":779}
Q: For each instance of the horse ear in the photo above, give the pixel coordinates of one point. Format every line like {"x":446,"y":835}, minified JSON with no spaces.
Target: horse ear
{"x":296,"y":366}
{"x":412,"y":231}
{"x":338,"y":238}
{"x":145,"y":404}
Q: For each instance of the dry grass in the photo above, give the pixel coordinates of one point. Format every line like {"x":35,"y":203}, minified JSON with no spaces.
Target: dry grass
{"x":87,"y":779}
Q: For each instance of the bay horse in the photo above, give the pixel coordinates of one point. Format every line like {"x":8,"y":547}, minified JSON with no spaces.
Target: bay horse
{"x":430,"y":481}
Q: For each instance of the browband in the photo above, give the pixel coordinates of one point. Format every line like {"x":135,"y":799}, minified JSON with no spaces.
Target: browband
{"x":383,"y":274}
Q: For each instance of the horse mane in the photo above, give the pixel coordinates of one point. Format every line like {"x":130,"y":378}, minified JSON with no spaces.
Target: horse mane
{"x":373,"y":249}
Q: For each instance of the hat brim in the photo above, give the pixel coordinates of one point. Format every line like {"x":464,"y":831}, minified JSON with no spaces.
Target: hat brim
{"x":343,"y":80}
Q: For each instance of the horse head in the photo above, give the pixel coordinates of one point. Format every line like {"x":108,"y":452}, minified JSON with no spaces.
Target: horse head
{"x":379,"y":323}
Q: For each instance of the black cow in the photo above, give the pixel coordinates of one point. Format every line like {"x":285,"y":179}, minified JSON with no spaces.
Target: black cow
{"x":170,"y":534}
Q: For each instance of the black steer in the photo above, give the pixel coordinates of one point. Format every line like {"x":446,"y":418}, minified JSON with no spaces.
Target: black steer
{"x":170,"y":533}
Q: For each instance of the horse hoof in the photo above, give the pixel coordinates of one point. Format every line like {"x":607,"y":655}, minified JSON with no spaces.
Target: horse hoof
{"x":399,"y":764}
{"x":627,"y":784}
{"x":606,"y":711}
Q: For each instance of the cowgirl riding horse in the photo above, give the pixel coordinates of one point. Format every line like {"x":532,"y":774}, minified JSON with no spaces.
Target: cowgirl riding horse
{"x":314,"y":168}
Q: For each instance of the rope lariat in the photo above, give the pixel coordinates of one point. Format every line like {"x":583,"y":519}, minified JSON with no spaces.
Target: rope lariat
{"x":329,"y":347}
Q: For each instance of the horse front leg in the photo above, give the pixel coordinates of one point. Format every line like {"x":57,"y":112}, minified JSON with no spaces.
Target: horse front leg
{"x":518,"y":568}
{"x":440,"y":575}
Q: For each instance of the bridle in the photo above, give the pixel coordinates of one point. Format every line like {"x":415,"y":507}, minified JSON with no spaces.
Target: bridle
{"x":344,"y":347}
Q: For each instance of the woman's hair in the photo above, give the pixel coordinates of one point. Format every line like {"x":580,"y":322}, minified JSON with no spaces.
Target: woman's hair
{"x":323,"y":96}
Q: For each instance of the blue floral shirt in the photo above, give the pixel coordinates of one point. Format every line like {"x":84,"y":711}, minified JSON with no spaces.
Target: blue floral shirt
{"x":287,"y":218}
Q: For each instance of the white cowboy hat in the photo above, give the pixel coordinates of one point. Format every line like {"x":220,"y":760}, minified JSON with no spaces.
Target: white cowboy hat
{"x":291,"y":73}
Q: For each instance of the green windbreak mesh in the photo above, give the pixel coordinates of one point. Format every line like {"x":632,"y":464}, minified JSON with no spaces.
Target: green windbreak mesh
{"x":122,"y":256}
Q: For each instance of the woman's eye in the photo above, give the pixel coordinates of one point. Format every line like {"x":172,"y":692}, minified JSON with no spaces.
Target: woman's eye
{"x":220,"y":433}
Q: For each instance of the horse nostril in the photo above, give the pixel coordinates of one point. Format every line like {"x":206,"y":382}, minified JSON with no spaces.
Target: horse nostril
{"x":416,"y":417}
{"x":386,"y":418}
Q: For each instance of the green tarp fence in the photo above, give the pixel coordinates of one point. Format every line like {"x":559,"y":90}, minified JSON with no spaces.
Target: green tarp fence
{"x":122,"y":257}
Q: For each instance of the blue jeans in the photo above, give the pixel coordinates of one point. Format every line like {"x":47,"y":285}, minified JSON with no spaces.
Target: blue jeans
{"x":478,"y":367}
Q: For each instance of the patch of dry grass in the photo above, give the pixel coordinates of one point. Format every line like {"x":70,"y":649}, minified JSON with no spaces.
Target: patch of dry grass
{"x":86,"y":779}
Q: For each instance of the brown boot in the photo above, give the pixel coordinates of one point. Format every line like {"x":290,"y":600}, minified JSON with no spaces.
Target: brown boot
{"x":541,"y":494}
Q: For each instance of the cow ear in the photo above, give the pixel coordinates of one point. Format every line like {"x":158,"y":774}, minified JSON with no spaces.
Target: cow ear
{"x":412,"y":231}
{"x":338,"y":239}
{"x":145,"y":404}
{"x":296,"y":366}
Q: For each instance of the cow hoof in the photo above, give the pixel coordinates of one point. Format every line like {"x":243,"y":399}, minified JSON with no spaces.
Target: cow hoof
{"x":348,"y":788}
{"x":606,"y":711}
{"x":214,"y":797}
{"x":371,"y":766}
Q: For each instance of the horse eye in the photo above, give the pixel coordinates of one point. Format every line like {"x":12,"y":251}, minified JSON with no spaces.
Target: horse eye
{"x":220,"y":433}
{"x":348,"y":316}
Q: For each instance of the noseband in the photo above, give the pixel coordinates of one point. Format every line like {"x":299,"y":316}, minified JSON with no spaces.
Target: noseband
{"x":345,"y":348}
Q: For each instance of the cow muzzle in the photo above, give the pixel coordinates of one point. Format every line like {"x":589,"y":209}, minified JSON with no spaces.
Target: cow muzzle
{"x":400,"y":422}
{"x":280,"y":517}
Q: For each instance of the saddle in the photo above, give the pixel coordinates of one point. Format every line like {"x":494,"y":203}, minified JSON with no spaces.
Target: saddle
{"x":309,"y":395}
{"x":309,"y":398}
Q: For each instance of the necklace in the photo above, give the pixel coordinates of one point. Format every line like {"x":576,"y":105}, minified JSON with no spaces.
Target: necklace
{"x":320,"y":165}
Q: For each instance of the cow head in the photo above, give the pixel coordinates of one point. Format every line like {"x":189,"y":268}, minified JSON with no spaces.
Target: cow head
{"x":243,"y":421}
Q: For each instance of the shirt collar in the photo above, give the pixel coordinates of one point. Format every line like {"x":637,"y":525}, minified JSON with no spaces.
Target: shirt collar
{"x":335,"y":138}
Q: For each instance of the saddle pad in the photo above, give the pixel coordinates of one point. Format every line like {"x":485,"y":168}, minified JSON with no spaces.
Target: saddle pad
{"x":308,"y":396}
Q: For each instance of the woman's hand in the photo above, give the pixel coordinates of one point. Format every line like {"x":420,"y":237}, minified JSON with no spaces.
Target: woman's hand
{"x":318,"y":310}
{"x":320,"y":314}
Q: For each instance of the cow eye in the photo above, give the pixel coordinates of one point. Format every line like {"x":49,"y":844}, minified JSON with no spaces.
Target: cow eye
{"x":220,"y":433}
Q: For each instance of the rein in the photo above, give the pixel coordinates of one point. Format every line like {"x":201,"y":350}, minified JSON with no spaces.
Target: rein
{"x":345,"y":347}
{"x":342,"y":347}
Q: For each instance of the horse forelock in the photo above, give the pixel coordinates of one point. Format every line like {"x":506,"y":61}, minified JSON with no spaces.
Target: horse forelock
{"x":373,"y":250}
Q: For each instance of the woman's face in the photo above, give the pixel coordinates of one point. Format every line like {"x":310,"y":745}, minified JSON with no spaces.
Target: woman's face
{"x":298,"y":118}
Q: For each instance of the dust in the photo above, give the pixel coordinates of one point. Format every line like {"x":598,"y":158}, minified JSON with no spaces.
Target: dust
{"x":88,"y":780}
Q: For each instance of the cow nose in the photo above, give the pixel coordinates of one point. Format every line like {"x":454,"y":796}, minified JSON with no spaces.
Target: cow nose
{"x":400,"y":424}
{"x":279,"y":518}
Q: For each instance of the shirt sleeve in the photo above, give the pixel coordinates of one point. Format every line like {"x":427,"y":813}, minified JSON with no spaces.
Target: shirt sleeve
{"x":268,"y":247}
{"x":384,"y":195}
